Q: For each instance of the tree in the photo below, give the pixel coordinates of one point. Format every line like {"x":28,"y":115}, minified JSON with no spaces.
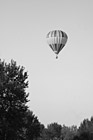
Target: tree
{"x":32,"y":126}
{"x":13,"y":99}
{"x":54,"y":131}
{"x":86,"y":126}
{"x":68,"y":133}
{"x":85,"y":131}
{"x":43,"y":133}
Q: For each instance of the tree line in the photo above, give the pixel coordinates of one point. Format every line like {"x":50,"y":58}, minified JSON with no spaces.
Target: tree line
{"x":55,"y":131}
{"x":18,"y":122}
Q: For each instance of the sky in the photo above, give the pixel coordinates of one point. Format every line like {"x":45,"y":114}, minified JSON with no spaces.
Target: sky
{"x":61,"y":90}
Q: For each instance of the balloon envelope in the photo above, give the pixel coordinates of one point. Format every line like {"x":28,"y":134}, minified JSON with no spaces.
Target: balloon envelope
{"x":56,"y":40}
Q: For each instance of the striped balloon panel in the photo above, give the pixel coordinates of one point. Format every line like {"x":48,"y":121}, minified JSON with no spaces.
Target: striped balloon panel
{"x":56,"y":47}
{"x":56,"y":33}
{"x":56,"y":40}
{"x":57,"y":43}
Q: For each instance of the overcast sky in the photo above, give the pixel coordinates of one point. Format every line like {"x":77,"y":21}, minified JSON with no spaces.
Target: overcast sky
{"x":61,"y":90}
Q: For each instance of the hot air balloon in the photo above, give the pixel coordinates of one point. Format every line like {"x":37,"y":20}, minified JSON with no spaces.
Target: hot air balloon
{"x":56,"y":40}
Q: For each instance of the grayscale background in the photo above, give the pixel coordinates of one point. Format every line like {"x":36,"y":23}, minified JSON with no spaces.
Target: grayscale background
{"x":60,"y":90}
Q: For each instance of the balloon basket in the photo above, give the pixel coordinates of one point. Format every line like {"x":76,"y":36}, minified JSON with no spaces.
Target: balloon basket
{"x":56,"y":56}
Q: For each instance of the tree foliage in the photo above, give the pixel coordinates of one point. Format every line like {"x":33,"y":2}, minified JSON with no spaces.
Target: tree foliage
{"x":67,"y":133}
{"x":54,"y":130}
{"x":86,"y":125}
{"x":16,"y":121}
{"x":32,"y":126}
